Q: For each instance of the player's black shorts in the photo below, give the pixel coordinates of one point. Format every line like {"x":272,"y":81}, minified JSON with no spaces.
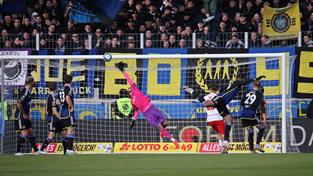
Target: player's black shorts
{"x":22,"y":124}
{"x":222,"y":109}
{"x":249,"y":122}
{"x":55,"y":126}
{"x":67,"y":122}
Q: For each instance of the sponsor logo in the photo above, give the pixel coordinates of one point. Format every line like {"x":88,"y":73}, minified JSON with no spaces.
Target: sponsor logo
{"x":209,"y":147}
{"x":80,"y":148}
{"x":155,"y":148}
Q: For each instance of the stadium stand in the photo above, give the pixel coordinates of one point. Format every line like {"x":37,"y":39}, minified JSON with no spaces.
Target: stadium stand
{"x":146,"y":23}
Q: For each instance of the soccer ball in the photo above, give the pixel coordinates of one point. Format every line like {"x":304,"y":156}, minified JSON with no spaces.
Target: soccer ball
{"x":107,"y":57}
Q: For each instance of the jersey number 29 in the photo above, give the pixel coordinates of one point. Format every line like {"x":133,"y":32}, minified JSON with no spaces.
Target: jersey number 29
{"x":250,"y":98}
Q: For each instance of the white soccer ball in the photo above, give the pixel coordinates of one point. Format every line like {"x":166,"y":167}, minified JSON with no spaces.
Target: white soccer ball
{"x":107,"y":57}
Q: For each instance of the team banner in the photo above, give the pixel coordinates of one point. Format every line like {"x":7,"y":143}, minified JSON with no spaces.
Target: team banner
{"x":303,"y":74}
{"x":81,"y":148}
{"x":282,"y":23}
{"x":14,"y":71}
{"x":303,"y":132}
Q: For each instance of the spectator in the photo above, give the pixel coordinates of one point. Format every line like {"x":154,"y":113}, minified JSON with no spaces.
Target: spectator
{"x":60,"y":47}
{"x":7,"y":23}
{"x":115,"y":43}
{"x":248,"y":10}
{"x":172,"y":41}
{"x":200,"y":27}
{"x":254,"y":42}
{"x":26,"y":25}
{"x":307,"y":41}
{"x":265,"y":41}
{"x":243,"y":25}
{"x":234,"y":42}
{"x":182,"y":43}
{"x":255,"y":21}
{"x":232,"y":9}
{"x":148,"y":43}
{"x":199,"y":43}
{"x":26,"y":39}
{"x":310,"y":22}
{"x":17,"y":27}
{"x":8,"y":44}
{"x":75,"y":44}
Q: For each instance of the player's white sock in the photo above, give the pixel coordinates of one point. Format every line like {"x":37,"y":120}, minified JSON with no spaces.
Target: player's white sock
{"x":173,"y":139}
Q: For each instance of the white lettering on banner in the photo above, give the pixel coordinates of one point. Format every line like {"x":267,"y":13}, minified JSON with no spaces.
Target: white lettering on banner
{"x":303,"y":135}
{"x":311,"y":140}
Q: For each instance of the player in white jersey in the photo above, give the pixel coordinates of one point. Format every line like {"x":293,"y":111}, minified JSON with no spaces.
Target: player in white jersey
{"x":214,"y":119}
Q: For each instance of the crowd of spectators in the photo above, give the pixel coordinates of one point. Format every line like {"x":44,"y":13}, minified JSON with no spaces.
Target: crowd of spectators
{"x":164,"y":23}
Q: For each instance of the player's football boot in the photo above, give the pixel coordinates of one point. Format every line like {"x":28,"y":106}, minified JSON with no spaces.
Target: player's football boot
{"x":70,"y":152}
{"x":19,"y":154}
{"x":258,"y":148}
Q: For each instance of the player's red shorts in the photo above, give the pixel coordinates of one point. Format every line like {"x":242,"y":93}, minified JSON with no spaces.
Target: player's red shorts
{"x":218,"y":126}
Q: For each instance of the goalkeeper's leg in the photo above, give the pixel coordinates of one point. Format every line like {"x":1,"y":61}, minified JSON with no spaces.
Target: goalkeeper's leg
{"x":165,"y":134}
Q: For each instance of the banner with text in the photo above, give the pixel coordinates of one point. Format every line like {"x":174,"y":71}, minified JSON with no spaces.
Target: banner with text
{"x":282,"y":23}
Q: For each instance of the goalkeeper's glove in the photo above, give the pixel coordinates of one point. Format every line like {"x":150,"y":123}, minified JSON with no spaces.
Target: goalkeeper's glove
{"x":132,"y":123}
{"x":260,"y":77}
{"x":188,"y":89}
{"x":121,"y":66}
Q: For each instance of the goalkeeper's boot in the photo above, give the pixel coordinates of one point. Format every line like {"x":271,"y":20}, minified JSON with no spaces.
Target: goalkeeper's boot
{"x":258,"y":148}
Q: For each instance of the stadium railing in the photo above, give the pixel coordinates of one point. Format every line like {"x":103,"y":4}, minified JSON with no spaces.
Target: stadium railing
{"x":138,"y":40}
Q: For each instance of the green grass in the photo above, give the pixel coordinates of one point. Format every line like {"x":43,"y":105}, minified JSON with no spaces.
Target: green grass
{"x":158,"y":165}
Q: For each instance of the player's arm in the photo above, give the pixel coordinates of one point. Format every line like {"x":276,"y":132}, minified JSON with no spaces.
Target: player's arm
{"x":70,"y":103}
{"x":54,"y":109}
{"x":19,"y":103}
{"x":263,"y":109}
{"x":68,"y":99}
{"x":121,"y":66}
{"x":134,"y":118}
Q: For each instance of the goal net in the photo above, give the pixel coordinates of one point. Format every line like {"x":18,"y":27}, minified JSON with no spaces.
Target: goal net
{"x":96,"y":85}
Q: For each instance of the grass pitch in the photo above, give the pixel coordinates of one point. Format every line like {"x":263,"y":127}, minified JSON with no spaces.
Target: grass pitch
{"x":158,"y":165}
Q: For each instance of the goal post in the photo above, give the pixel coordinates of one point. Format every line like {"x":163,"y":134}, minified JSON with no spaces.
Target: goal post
{"x":100,"y":129}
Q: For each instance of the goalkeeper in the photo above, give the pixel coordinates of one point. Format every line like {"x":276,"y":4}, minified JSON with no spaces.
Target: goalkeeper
{"x":222,"y":99}
{"x":142,"y":103}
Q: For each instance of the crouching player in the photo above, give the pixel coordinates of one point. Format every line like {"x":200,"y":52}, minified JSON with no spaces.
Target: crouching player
{"x":142,"y":103}
{"x":214,"y":119}
{"x":53,"y":118}
{"x":252,"y":102}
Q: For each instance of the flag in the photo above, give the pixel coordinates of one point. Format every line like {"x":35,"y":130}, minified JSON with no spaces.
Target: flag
{"x":282,"y":23}
{"x":95,"y":11}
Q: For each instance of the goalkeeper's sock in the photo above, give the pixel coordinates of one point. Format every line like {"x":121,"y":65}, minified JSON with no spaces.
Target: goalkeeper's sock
{"x":19,"y":141}
{"x":32,"y":140}
{"x":70,"y":140}
{"x":64,"y":143}
{"x":45,"y":144}
{"x":227,"y":131}
{"x":250,"y":139}
{"x":260,"y":135}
